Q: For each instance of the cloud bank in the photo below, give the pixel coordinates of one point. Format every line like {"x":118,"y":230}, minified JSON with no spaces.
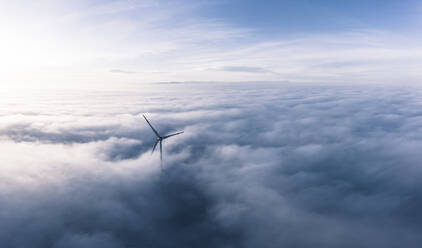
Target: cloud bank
{"x":274,"y":166}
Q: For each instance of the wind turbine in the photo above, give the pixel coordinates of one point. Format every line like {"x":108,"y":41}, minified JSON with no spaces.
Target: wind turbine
{"x":160,"y":139}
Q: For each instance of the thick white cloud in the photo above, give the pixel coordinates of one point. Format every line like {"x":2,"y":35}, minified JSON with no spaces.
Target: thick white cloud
{"x":267,"y":166}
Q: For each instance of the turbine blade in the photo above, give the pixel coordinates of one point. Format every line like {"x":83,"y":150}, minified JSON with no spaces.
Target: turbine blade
{"x":161,"y":150}
{"x":155,"y":131}
{"x":153,"y":148}
{"x":167,"y":136}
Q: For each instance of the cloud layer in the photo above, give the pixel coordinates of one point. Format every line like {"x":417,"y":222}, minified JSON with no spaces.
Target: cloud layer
{"x":267,"y":166}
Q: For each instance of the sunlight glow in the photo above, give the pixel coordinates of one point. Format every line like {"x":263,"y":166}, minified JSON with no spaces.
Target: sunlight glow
{"x":76,"y":42}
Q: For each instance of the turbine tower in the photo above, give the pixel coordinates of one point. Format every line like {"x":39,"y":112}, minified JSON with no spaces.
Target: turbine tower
{"x":160,"y":140}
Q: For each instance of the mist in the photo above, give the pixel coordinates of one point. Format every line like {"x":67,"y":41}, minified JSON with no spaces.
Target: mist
{"x":259,"y":165}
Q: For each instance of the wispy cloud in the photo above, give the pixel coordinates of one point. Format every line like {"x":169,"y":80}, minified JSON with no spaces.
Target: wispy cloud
{"x":251,"y":69}
{"x":85,"y":40}
{"x":122,"y":71}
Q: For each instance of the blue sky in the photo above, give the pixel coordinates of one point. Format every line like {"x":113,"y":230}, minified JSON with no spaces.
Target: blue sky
{"x":86,"y":42}
{"x":274,"y":18}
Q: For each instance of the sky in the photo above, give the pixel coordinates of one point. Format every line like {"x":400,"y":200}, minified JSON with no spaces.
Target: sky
{"x":97,"y":43}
